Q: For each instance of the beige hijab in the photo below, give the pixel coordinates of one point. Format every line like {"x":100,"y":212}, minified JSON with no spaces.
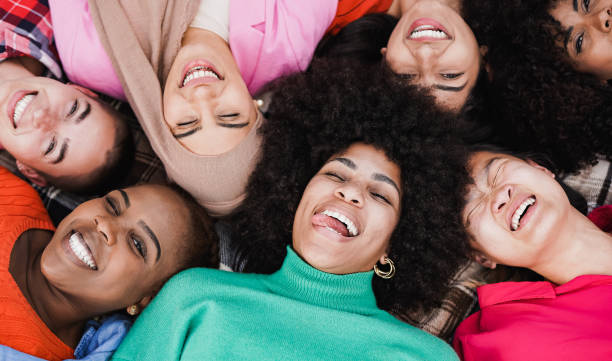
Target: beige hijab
{"x":142,"y":38}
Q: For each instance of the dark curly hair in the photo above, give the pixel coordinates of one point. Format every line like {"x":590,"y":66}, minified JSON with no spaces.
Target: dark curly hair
{"x":320,"y":113}
{"x":537,"y":101}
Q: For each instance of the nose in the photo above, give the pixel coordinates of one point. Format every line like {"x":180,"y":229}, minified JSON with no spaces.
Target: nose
{"x":105,"y":228}
{"x":43,"y":119}
{"x":350,"y":193}
{"x":605,"y":16}
{"x":501,"y":198}
{"x":425,"y":53}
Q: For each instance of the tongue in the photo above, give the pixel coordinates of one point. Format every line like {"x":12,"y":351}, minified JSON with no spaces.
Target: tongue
{"x":331,"y":222}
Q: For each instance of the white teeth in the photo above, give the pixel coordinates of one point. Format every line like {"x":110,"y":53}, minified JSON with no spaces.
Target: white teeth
{"x":352,"y":229}
{"x":20,"y":107}
{"x":419,"y":33}
{"x":519,"y":212}
{"x":199,"y":72}
{"x":77,"y":244}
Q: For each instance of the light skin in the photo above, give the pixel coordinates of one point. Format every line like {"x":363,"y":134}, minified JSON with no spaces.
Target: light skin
{"x":210,"y":115}
{"x":448,"y":66}
{"x":63,"y":131}
{"x":553,"y":238}
{"x":362,"y":184}
{"x":588,"y":36}
{"x":132,"y":235}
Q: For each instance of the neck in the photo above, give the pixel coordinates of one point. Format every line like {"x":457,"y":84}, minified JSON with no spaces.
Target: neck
{"x":194,"y":35}
{"x":398,"y":7}
{"x":583,"y":249}
{"x":61,"y":315}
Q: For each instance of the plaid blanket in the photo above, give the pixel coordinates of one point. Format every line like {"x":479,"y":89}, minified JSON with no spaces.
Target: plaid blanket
{"x":25,"y":30}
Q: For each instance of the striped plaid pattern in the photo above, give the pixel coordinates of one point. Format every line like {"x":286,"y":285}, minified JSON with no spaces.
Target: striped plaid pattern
{"x":25,"y":30}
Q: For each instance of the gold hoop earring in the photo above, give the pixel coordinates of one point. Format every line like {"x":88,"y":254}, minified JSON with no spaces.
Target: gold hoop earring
{"x":133,"y":310}
{"x":386,"y":275}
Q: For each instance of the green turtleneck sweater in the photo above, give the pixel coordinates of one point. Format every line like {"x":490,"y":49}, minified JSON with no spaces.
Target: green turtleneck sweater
{"x":297,"y":313}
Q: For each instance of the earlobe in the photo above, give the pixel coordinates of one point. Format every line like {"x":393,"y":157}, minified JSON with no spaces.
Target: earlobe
{"x":483,"y":260}
{"x":383,"y":258}
{"x":536,"y":165}
{"x":31,"y":174}
{"x":383,"y":51}
{"x":84,"y":90}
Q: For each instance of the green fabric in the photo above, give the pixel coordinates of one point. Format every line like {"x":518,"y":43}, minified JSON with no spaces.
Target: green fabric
{"x":297,"y":313}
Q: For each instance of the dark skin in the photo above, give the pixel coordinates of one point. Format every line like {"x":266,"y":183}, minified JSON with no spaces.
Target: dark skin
{"x":66,"y":324}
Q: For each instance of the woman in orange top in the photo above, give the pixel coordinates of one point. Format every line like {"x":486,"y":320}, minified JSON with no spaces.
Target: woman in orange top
{"x":108,"y":254}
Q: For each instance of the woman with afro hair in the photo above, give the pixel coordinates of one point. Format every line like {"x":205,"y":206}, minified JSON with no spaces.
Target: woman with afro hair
{"x":345,"y":213}
{"x":321,"y":113}
{"x":540,"y":97}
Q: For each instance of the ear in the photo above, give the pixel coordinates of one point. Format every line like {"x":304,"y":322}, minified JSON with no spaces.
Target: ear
{"x":382,"y":260}
{"x":483,"y":260}
{"x":536,"y":165}
{"x":31,"y":174}
{"x":383,"y":51}
{"x":84,"y":90}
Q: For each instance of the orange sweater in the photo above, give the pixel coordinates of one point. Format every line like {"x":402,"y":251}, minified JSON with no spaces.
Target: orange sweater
{"x":351,"y":10}
{"x":20,"y":326}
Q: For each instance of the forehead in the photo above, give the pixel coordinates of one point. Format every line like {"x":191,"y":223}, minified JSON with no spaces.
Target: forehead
{"x":564,"y":12}
{"x":368,"y":158}
{"x":159,"y":207}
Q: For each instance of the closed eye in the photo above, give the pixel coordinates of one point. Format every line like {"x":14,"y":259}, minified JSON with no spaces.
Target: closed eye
{"x":51,"y":146}
{"x":186,"y":123}
{"x":334,"y":176}
{"x":407,"y":77}
{"x":112,"y":206}
{"x":231,"y":115}
{"x":381,"y":197}
{"x":452,"y":75}
{"x":74,"y":108}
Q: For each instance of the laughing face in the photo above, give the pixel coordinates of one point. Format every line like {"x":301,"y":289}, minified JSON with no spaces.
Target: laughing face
{"x":514,"y":210}
{"x":55,"y":128}
{"x":207,"y":105}
{"x":348,"y":211}
{"x":113,"y":251}
{"x":433,"y":47}
{"x":588,"y":38}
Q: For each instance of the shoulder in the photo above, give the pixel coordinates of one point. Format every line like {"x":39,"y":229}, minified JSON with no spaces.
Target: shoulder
{"x":208,"y":281}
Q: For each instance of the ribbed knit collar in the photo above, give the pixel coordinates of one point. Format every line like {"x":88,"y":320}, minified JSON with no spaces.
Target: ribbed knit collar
{"x":300,"y":281}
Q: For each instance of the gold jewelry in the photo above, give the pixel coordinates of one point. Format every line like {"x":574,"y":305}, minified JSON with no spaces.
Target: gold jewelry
{"x":133,"y":310}
{"x":389,"y":273}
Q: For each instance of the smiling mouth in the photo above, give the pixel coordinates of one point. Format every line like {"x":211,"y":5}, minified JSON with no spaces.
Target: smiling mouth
{"x":520,"y":212}
{"x":429,"y":32}
{"x":81,"y":250}
{"x":339,"y":223}
{"x":20,"y":107}
{"x":200,"y":72}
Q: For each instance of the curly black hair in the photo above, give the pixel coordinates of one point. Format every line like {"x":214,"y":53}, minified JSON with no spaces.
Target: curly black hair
{"x":537,"y":101}
{"x":320,"y":113}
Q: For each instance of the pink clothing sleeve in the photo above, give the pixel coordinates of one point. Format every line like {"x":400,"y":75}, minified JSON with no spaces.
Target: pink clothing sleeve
{"x":272,"y":38}
{"x":83,"y":57}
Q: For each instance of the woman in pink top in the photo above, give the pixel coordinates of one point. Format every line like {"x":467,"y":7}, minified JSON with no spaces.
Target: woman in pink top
{"x":518,"y":215}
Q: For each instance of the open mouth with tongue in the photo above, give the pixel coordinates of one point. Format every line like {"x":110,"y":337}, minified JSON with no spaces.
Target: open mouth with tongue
{"x":336,"y":222}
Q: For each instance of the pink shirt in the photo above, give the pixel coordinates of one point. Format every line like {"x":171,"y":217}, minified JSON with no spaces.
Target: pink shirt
{"x":271,"y":38}
{"x":540,"y":321}
{"x":83,"y":57}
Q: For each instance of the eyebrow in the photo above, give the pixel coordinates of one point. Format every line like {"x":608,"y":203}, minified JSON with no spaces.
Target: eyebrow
{"x":567,"y":37}
{"x":62,"y":153}
{"x":575,"y":5}
{"x":347,"y":162}
{"x":85,"y":113}
{"x":148,"y":230}
{"x":126,"y":199}
{"x":383,"y":178}
{"x":450,"y":88}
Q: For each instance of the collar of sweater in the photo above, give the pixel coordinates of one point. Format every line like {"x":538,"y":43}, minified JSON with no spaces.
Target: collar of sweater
{"x":300,"y":281}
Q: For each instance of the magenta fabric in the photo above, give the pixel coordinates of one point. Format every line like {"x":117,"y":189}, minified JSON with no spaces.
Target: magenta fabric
{"x":83,"y":57}
{"x":271,"y":38}
{"x":602,"y":217}
{"x":522,"y":321}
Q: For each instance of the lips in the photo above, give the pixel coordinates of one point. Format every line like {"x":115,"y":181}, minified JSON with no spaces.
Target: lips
{"x":336,"y":222}
{"x":79,"y":250}
{"x":426,"y":29}
{"x":199,"y":72}
{"x":17,"y":106}
{"x":521,"y":212}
